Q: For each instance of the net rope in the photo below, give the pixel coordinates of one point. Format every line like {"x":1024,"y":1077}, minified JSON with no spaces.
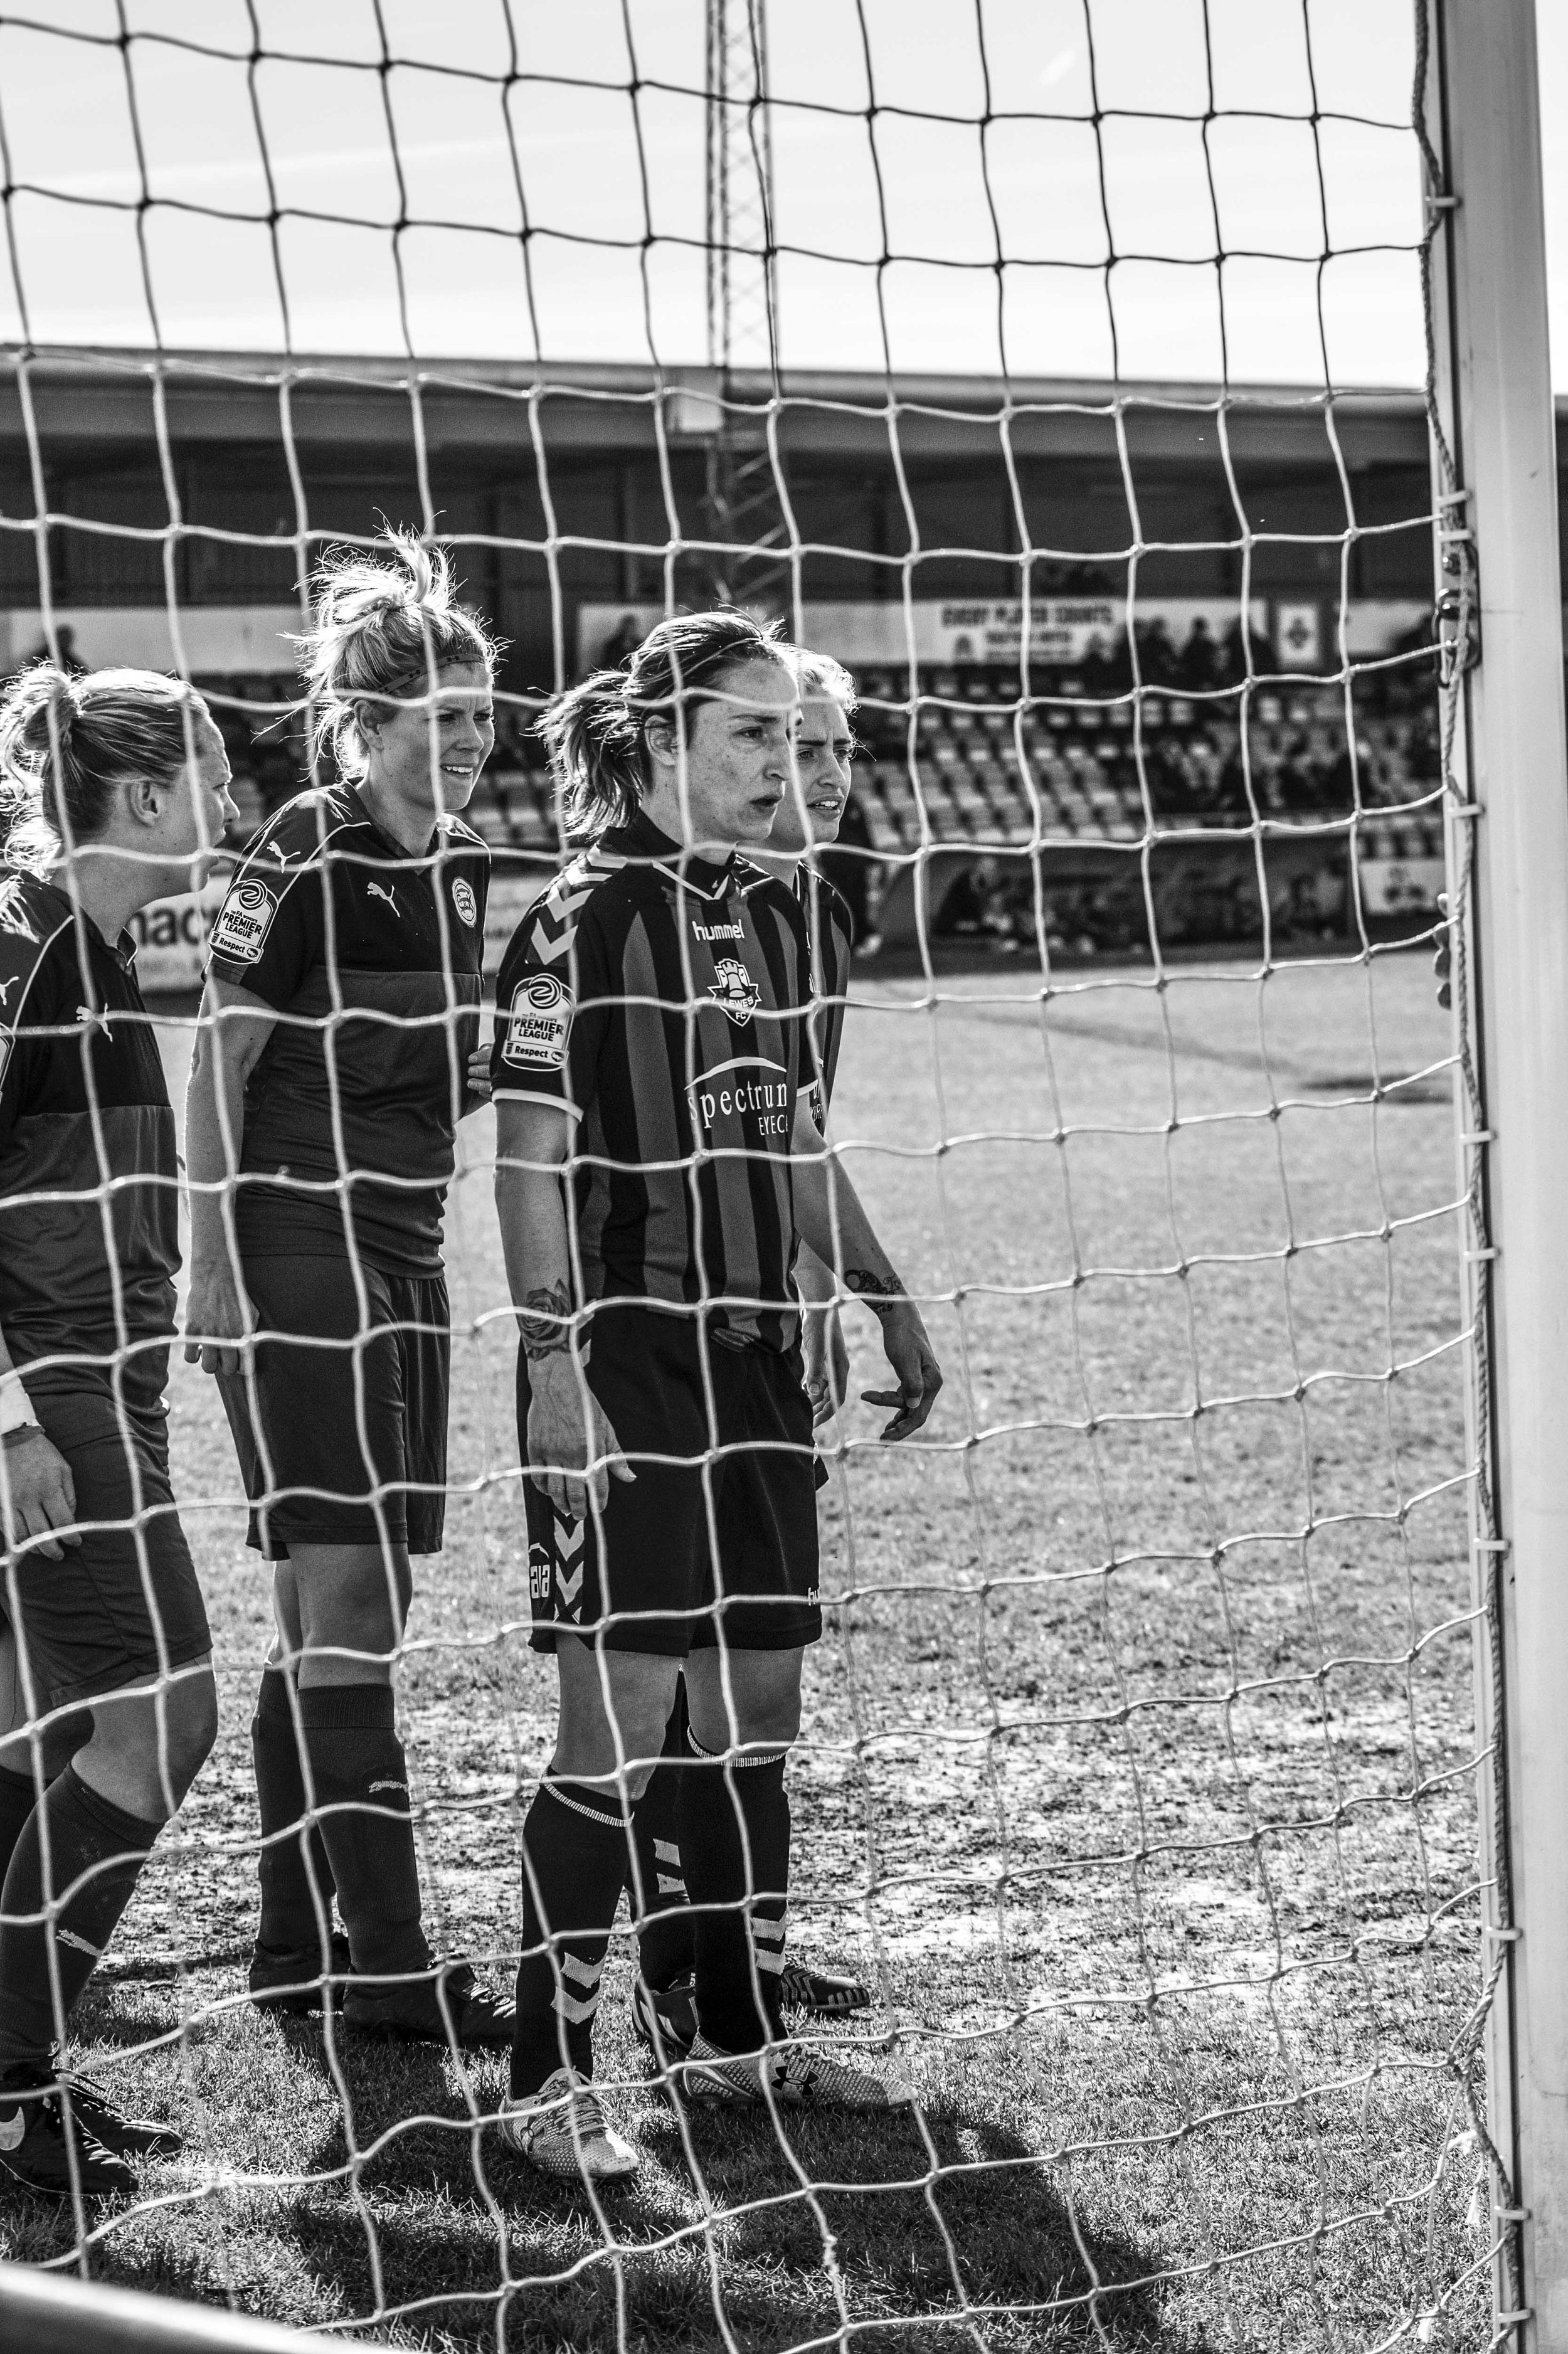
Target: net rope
{"x":1140,"y":1776}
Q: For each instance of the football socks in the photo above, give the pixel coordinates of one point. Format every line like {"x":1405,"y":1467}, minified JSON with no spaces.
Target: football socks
{"x":735,"y":1838}
{"x":361,"y":1779}
{"x":665,"y":1949}
{"x":18,"y":1797}
{"x":288,"y":1919}
{"x":96,"y":1850}
{"x":574,"y":1868}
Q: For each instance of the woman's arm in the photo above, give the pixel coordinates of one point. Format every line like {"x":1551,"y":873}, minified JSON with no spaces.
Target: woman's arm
{"x":36,"y":1485}
{"x":831,"y":1221}
{"x":822,"y":1335}
{"x":233,"y":1029}
{"x":568,"y":1437}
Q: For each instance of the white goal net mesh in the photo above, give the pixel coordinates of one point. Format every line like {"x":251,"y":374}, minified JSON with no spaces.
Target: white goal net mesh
{"x":1069,"y":386}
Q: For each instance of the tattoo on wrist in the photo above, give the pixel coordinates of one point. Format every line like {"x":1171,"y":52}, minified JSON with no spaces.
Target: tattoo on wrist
{"x":545,"y":1322}
{"x":878,"y":1291}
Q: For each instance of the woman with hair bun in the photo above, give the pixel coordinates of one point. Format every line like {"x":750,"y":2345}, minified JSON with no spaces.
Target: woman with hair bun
{"x":113,"y":792}
{"x":341,"y":1017}
{"x":656,"y":1159}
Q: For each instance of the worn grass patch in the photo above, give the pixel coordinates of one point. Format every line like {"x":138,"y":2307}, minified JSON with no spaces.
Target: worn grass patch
{"x":1135,"y":1768}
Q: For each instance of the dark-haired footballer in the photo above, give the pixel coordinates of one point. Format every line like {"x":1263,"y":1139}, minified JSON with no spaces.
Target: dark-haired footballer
{"x":808,"y":818}
{"x":656,"y":1155}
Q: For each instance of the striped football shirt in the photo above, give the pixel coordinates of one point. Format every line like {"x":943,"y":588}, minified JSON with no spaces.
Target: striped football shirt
{"x":661,"y":1002}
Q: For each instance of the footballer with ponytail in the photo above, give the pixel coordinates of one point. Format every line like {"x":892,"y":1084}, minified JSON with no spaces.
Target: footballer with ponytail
{"x":333,"y":1065}
{"x":113,"y":792}
{"x":598,"y":735}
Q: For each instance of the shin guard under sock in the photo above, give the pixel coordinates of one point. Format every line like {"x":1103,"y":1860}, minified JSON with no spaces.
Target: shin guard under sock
{"x":288,"y":1920}
{"x":738,"y":1912}
{"x":574,"y":1868}
{"x":91,"y":1841}
{"x":361,"y":1779}
{"x":665,"y":1949}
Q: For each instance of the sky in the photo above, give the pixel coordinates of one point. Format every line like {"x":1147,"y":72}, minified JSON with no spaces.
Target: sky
{"x":597,"y":148}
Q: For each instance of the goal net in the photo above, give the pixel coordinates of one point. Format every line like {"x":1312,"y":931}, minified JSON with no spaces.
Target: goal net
{"x":1066,"y":371}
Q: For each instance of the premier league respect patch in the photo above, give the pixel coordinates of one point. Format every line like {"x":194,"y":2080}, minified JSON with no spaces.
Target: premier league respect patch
{"x":243,"y":921}
{"x":537,"y":1023}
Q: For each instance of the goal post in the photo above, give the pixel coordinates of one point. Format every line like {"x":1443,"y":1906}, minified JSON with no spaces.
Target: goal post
{"x":1498,"y":541}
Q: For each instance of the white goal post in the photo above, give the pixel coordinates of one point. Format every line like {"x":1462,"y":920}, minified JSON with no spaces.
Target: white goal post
{"x":1509,"y":838}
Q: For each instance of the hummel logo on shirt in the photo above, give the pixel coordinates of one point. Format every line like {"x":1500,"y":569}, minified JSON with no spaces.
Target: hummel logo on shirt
{"x":717,"y":931}
{"x":376,"y":891}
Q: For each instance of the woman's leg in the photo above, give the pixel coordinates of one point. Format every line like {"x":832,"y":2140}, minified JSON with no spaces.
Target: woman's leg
{"x":349,"y":1603}
{"x":297,"y":1884}
{"x":613,"y":1709}
{"x":745,"y":1711}
{"x":90,"y":1834}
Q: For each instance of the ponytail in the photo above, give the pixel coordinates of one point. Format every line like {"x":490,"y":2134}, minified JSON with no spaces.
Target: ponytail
{"x":68,"y":743}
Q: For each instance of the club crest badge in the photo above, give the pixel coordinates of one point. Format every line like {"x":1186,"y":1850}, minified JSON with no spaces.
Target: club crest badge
{"x":734,"y":988}
{"x":464,"y":902}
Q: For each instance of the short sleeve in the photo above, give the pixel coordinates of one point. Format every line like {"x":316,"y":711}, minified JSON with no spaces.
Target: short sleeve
{"x":32,"y":984}
{"x":552,"y":1014}
{"x":270,"y":931}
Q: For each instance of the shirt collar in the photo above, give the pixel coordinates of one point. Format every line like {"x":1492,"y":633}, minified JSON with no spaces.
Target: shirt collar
{"x":122,"y":951}
{"x":361,"y":815}
{"x":640,"y":838}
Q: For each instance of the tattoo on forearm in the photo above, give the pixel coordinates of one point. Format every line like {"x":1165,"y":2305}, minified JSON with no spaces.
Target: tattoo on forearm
{"x":544,"y":1320}
{"x":876,"y":1290}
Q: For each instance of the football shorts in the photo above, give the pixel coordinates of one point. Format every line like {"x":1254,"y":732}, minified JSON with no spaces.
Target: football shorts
{"x":341,"y":1421}
{"x":715,"y":1539}
{"x":124,"y":1603}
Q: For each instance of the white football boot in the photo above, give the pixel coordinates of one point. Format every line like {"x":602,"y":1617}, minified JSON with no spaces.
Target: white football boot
{"x":561,"y":2129}
{"x":798,"y":2075}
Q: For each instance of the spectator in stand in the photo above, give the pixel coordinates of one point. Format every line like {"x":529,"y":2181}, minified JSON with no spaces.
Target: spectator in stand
{"x":1234,"y":654}
{"x":1232,"y":801}
{"x":1348,"y":782}
{"x":1197,"y":669}
{"x":1095,"y":668}
{"x":1157,"y":662}
{"x":1171,"y":782}
{"x":1203,"y":769}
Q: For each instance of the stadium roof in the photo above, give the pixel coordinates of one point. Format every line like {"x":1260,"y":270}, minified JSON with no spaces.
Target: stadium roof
{"x":82,"y":395}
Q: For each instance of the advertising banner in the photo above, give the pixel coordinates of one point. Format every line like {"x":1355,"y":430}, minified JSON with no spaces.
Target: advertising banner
{"x":955,"y":632}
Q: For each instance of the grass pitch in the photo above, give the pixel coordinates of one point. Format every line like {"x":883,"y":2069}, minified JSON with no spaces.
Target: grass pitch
{"x":1135,"y":1768}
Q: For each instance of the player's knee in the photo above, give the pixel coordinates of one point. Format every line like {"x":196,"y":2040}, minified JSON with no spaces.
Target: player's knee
{"x":190,"y":1729}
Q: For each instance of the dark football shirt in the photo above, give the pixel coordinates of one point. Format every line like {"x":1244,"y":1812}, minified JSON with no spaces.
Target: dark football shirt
{"x":89,"y":1177}
{"x":372,"y":959}
{"x":830,"y":929}
{"x":661,"y":1002}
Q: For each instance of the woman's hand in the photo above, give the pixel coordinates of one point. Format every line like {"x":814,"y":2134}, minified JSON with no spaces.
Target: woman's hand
{"x":826,"y":1354}
{"x":40,"y":1492}
{"x":219,"y":1318}
{"x":567,"y":1431}
{"x":478,"y":1074}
